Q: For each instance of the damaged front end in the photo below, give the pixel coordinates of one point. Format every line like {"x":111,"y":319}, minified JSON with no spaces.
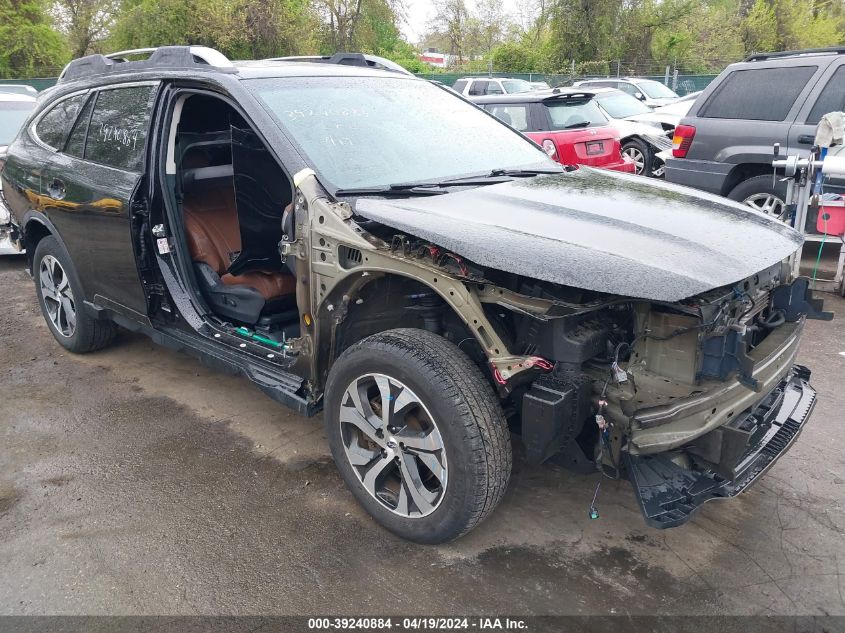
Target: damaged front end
{"x":692,"y":400}
{"x":636,"y":333}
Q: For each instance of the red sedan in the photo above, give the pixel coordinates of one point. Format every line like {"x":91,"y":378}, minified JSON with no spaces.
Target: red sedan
{"x":568,"y":124}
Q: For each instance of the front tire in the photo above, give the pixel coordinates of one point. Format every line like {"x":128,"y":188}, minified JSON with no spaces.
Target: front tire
{"x":60,"y":298}
{"x":437,"y":461}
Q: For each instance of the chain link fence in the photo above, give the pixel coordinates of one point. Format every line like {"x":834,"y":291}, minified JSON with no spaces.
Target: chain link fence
{"x":39,"y":83}
{"x":682,"y":84}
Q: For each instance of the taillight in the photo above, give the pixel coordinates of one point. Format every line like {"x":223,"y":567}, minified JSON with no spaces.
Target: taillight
{"x":682,"y":140}
{"x":549,"y":148}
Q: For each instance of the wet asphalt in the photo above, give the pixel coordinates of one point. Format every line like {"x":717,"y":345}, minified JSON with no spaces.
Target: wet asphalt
{"x":136,"y":481}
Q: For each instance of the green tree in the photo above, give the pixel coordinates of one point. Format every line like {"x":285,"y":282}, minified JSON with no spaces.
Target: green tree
{"x":84,"y":23}
{"x":31,"y":48}
{"x":513,"y":57}
{"x":759,"y":28}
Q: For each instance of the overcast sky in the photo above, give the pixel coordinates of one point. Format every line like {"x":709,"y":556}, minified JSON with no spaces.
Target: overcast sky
{"x":421,"y":11}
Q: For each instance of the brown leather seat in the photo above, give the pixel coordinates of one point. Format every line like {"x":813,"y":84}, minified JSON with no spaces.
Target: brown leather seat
{"x":214,"y":238}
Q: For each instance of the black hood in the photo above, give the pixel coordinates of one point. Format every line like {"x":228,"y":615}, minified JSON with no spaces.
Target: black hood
{"x":597,"y":230}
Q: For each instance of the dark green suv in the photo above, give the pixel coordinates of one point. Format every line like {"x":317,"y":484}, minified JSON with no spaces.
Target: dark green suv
{"x":364,"y":243}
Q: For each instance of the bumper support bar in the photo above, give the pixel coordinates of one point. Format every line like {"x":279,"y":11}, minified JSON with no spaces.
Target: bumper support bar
{"x":669,"y":494}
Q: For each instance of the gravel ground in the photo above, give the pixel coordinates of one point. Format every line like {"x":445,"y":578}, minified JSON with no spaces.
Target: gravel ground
{"x":136,"y":481}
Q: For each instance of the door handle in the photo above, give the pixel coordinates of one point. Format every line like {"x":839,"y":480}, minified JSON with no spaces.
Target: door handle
{"x":806,"y":139}
{"x":56,"y":189}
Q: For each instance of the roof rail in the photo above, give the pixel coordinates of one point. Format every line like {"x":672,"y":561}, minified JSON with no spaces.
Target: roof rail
{"x":347,"y":59}
{"x":832,"y":50}
{"x":186,"y":57}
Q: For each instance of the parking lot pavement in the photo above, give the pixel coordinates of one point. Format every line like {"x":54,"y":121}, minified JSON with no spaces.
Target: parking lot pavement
{"x":136,"y":481}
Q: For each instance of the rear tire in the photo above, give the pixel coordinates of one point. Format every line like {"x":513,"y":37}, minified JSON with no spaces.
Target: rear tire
{"x":60,"y":297}
{"x":443,"y":414}
{"x":759,"y":193}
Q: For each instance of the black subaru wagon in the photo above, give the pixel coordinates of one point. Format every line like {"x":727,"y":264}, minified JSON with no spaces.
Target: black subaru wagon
{"x":364,"y":243}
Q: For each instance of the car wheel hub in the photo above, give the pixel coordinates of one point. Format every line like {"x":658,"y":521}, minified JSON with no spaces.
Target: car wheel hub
{"x":395,"y":449}
{"x":767,"y":203}
{"x":637,"y":156}
{"x":57,"y":296}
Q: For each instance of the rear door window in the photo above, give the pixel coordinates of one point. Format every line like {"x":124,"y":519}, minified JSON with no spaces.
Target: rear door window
{"x":53,"y":127}
{"x":514,"y":115}
{"x":478,"y":88}
{"x":459,"y":86}
{"x":758,"y":94}
{"x":494,"y":88}
{"x":831,"y":98}
{"x":117,"y":133}
{"x":631,"y":89}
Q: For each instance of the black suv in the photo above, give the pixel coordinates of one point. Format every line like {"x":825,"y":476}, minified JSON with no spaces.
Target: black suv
{"x":361,"y":242}
{"x":724,"y":144}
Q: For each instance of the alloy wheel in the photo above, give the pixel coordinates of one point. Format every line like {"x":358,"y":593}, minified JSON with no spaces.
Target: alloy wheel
{"x":768,"y":203}
{"x":57,"y":295}
{"x":637,"y":156}
{"x":393,"y":444}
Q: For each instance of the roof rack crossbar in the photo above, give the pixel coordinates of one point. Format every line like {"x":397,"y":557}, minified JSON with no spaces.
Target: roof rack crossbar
{"x":192,"y":57}
{"x":831,"y":50}
{"x":347,"y":59}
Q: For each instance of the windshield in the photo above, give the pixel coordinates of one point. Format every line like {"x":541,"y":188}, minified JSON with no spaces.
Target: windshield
{"x":515,"y":86}
{"x":619,"y":104}
{"x":655,"y":89}
{"x":571,"y":113}
{"x":362,"y":132}
{"x":12,"y":116}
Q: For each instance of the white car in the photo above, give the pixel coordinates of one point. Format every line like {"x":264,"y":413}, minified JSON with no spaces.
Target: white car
{"x":643,"y":132}
{"x":481,"y":86}
{"x":652,"y":93}
{"x":672,"y":113}
{"x":14,"y":110}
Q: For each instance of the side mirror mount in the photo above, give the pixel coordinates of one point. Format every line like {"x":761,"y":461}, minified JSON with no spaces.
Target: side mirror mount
{"x":640,"y":96}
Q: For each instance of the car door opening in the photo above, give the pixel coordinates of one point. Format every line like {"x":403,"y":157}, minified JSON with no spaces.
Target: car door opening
{"x":231,"y":195}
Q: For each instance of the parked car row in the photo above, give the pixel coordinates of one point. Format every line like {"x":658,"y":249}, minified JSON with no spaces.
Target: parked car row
{"x":626,"y":114}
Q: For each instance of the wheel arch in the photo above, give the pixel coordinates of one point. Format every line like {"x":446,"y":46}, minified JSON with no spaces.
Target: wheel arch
{"x":368,"y":302}
{"x":36,"y":227}
{"x":742,"y":172}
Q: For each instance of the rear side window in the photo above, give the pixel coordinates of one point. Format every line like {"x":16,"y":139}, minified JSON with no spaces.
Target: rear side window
{"x":514,"y":115}
{"x":459,"y":86}
{"x":53,"y":127}
{"x":758,"y":94}
{"x":117,"y":133}
{"x":631,"y":89}
{"x":75,"y":145}
{"x":569,"y":114}
{"x":832,"y":97}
